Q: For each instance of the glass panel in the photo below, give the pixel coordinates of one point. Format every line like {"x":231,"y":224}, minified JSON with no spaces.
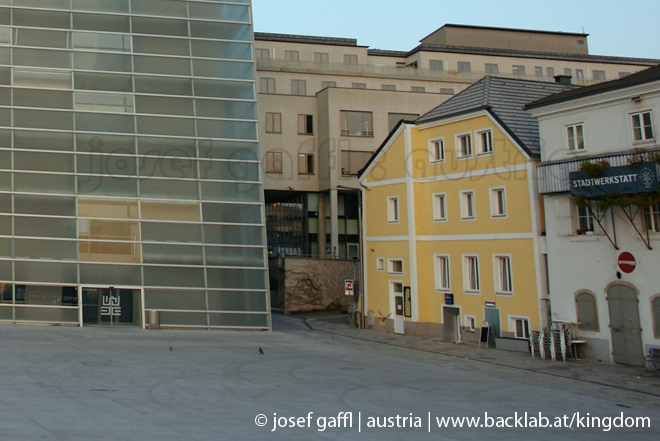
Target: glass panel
{"x":221,"y":149}
{"x":104,"y":102}
{"x":41,"y":19}
{"x":5,"y":96}
{"x":105,"y":144}
{"x":166,"y":126}
{"x":173,"y":254}
{"x":108,"y":209}
{"x":107,"y":186}
{"x":5,"y":225}
{"x":161,"y":65}
{"x":99,"y":122}
{"x":7,"y":312}
{"x":172,"y":211}
{"x":238,"y":301}
{"x":219,"y":12}
{"x":51,"y":162}
{"x":231,"y":192}
{"x":171,"y":232}
{"x":120,"y":6}
{"x":111,"y":252}
{"x":163,"y":85}
{"x":42,"y":57}
{"x":224,"y":89}
{"x":179,"y":299}
{"x":48,"y":205}
{"x":233,"y":235}
{"x":101,"y":42}
{"x":173,"y":276}
{"x":6,"y":250}
{"x":49,"y":295}
{"x":230,"y":171}
{"x":99,"y":81}
{"x":40,"y":38}
{"x":167,"y":147}
{"x":97,"y":229}
{"x":37,"y":183}
{"x":169,"y":8}
{"x":42,"y":98}
{"x":43,"y":119}
{"x":42,"y":78}
{"x":5,"y":203}
{"x":231,"y":213}
{"x":183,"y":319}
{"x":104,"y":62}
{"x":168,"y":189}
{"x":52,"y":4}
{"x":5,"y":181}
{"x":224,"y":256}
{"x":164,"y":106}
{"x":159,"y":45}
{"x":97,"y":22}
{"x":236,"y":278}
{"x":51,"y":315}
{"x":160,"y":26}
{"x":45,"y":227}
{"x":46,"y":272}
{"x":226,"y":129}
{"x":239,"y":320}
{"x":220,"y":31}
{"x":221,"y":49}
{"x":110,"y":275}
{"x":222,"y":69}
{"x":226,"y":109}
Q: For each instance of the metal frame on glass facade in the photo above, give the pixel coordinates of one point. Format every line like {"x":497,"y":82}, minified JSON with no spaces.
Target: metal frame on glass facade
{"x":129,"y":157}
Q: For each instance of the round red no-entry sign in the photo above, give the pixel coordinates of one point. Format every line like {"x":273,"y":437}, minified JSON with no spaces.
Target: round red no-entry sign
{"x":627,"y":262}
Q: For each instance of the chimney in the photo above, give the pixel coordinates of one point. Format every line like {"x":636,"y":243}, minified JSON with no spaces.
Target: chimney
{"x":563,"y":79}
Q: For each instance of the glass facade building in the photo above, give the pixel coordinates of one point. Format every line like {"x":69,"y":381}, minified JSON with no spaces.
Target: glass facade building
{"x":130,"y":188}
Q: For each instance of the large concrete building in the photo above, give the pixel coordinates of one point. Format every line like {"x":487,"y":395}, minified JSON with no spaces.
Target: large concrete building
{"x":326,"y":104}
{"x":130,"y":182}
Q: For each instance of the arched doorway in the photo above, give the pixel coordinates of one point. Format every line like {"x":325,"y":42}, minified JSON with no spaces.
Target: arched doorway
{"x":627,"y":347}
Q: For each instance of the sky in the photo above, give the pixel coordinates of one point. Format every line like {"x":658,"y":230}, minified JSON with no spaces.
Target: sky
{"x":615,"y":28}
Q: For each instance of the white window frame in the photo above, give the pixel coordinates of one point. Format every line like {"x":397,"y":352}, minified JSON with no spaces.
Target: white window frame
{"x":468,"y":288}
{"x":568,"y":138}
{"x":380,"y":264}
{"x":468,"y":204}
{"x":495,"y":211}
{"x":470,"y":323}
{"x":442,"y":270}
{"x":390,"y":267}
{"x":641,"y":114}
{"x":459,"y":145}
{"x":487,"y":148}
{"x":513,"y":328}
{"x":393,"y":210}
{"x":440,"y":207}
{"x":498,"y":274}
{"x":433,"y":154}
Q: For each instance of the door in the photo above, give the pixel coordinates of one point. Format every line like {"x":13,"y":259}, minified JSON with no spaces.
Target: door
{"x":627,"y":347}
{"x":451,"y":327}
{"x":399,"y":319}
{"x":111,"y":307}
{"x":493,"y":317}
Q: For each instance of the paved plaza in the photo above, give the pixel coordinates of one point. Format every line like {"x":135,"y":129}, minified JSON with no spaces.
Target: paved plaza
{"x":73,"y":384}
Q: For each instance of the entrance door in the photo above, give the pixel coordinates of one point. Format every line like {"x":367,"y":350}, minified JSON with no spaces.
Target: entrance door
{"x":111,"y":307}
{"x":451,"y":320}
{"x":624,"y":323}
{"x":493,"y":317}
{"x":398,"y":316}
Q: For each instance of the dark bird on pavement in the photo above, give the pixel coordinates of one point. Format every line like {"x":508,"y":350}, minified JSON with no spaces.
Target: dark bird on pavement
{"x":261,"y":351}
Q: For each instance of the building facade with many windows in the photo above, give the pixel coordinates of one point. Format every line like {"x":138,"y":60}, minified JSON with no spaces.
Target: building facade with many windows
{"x":130,"y":182}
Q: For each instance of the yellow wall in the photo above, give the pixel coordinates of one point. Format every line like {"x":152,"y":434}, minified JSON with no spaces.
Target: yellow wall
{"x":376,"y":202}
{"x":391,"y":164}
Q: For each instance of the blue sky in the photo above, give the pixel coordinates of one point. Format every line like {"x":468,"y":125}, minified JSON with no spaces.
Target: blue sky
{"x":615,"y":28}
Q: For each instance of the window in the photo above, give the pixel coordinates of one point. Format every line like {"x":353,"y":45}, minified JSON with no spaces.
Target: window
{"x":467,"y":205}
{"x":436,"y":65}
{"x":653,"y":218}
{"x":623,"y":74}
{"x":393,"y":209}
{"x":274,"y":162}
{"x":485,"y":142}
{"x":655,"y":305}
{"x":440,"y":207}
{"x":497,"y":202}
{"x":305,"y":164}
{"x":642,"y":126}
{"x":464,"y":145}
{"x":437,"y":150}
{"x":550,"y":71}
{"x":326,"y":84}
{"x":321,"y":57}
{"x":394,"y":118}
{"x":587,"y":314}
{"x":273,"y":122}
{"x":418,"y":89}
{"x":579,"y":74}
{"x":262,"y":54}
{"x":442,"y":277}
{"x":521,"y":327}
{"x":359,"y":86}
{"x":599,"y":75}
{"x":568,"y":72}
{"x":305,"y":124}
{"x":352,"y":162}
{"x":503,"y":279}
{"x":267,"y":85}
{"x":519,"y":70}
{"x":380,"y":264}
{"x":538,"y":71}
{"x":446,"y":91}
{"x":292,"y":55}
{"x":356,"y":123}
{"x":298,"y":87}
{"x":471,"y":273}
{"x":470,"y":323}
{"x":388,"y":87}
{"x":464,"y":66}
{"x":575,"y":135}
{"x":351,"y":59}
{"x":585,"y":220}
{"x":395,"y":266}
{"x":492,"y":68}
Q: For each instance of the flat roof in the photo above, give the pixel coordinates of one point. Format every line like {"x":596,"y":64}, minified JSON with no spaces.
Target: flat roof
{"x":491,"y":28}
{"x":309,"y":39}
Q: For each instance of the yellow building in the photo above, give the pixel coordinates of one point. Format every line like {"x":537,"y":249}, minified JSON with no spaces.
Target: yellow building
{"x":452,"y":218}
